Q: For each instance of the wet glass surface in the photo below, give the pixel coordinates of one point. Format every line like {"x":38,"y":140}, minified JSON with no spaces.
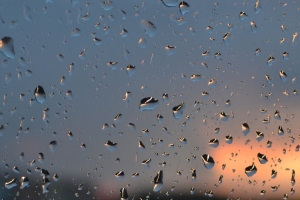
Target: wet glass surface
{"x":163,"y":99}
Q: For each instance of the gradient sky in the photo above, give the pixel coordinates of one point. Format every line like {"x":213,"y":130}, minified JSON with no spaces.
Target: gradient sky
{"x":41,"y":30}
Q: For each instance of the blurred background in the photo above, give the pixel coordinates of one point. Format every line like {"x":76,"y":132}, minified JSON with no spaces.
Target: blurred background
{"x":79,"y":53}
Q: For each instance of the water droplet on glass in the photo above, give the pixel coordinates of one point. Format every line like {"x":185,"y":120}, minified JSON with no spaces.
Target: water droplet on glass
{"x":97,"y":41}
{"x":283,"y":76}
{"x":271,"y":60}
{"x":295,"y":39}
{"x":8,"y":78}
{"x":158,"y":181}
{"x":159,"y":118}
{"x":257,"y":6}
{"x":146,"y":163}
{"x":148,"y":104}
{"x":253,"y":27}
{"x":53,"y":146}
{"x":214,"y":142}
{"x":205,"y":54}
{"x":111,"y":146}
{"x":7,"y":47}
{"x":195,"y":77}
{"x":107,"y":5}
{"x":69,"y":95}
{"x":250,"y":170}
{"x":124,"y":33}
{"x":76,"y":32}
{"x":243,"y":15}
{"x":178,"y":110}
{"x":123,"y":194}
{"x":170,"y":50}
{"x":148,"y":27}
{"x":39,"y":94}
{"x":262,"y":158}
{"x":10,"y":184}
{"x":24,"y":182}
{"x":130,"y":69}
{"x":208,"y":161}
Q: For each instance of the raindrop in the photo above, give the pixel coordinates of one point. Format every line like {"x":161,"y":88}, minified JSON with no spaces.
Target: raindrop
{"x":141,"y":145}
{"x":159,"y":118}
{"x":148,"y":104}
{"x":250,"y":170}
{"x":208,"y":161}
{"x":124,"y":33}
{"x":7,"y":47}
{"x":209,"y":29}
{"x":8,"y":78}
{"x":178,"y":110}
{"x":257,"y":6}
{"x":158,"y":181}
{"x":228,"y":139}
{"x":97,"y":41}
{"x":273,"y":173}
{"x":10,"y":184}
{"x":226,"y":38}
{"x":41,"y":157}
{"x":24,"y":182}
{"x":280,"y":130}
{"x":112,"y":65}
{"x":53,"y":146}
{"x":16,"y":169}
{"x":170,"y":3}
{"x":106,"y":29}
{"x":76,"y":32}
{"x":195,"y":77}
{"x":111,"y":17}
{"x":83,"y":146}
{"x":165,"y":97}
{"x":55,"y":177}
{"x":148,"y":27}
{"x":243,"y":15}
{"x":205,"y":54}
{"x":259,"y":136}
{"x":283,"y":76}
{"x":69,"y":95}
{"x":294,"y":39}
{"x":184,"y":7}
{"x":39,"y":94}
{"x":277,"y":115}
{"x":135,"y":175}
{"x":170,"y":50}
{"x":123,"y":194}
{"x":120,"y":175}
{"x":262,"y":158}
{"x":111,"y":146}
{"x":285,"y":55}
{"x":60,"y":57}
{"x":118,"y":118}
{"x":194,"y":176}
{"x":70,"y":135}
{"x":214,"y":143}
{"x":142,"y":42}
{"x":130,"y":69}
{"x":262,"y":192}
{"x":223,"y":116}
{"x":253,"y":27}
{"x":146,"y":163}
{"x":271,"y":60}
{"x":107,"y":5}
